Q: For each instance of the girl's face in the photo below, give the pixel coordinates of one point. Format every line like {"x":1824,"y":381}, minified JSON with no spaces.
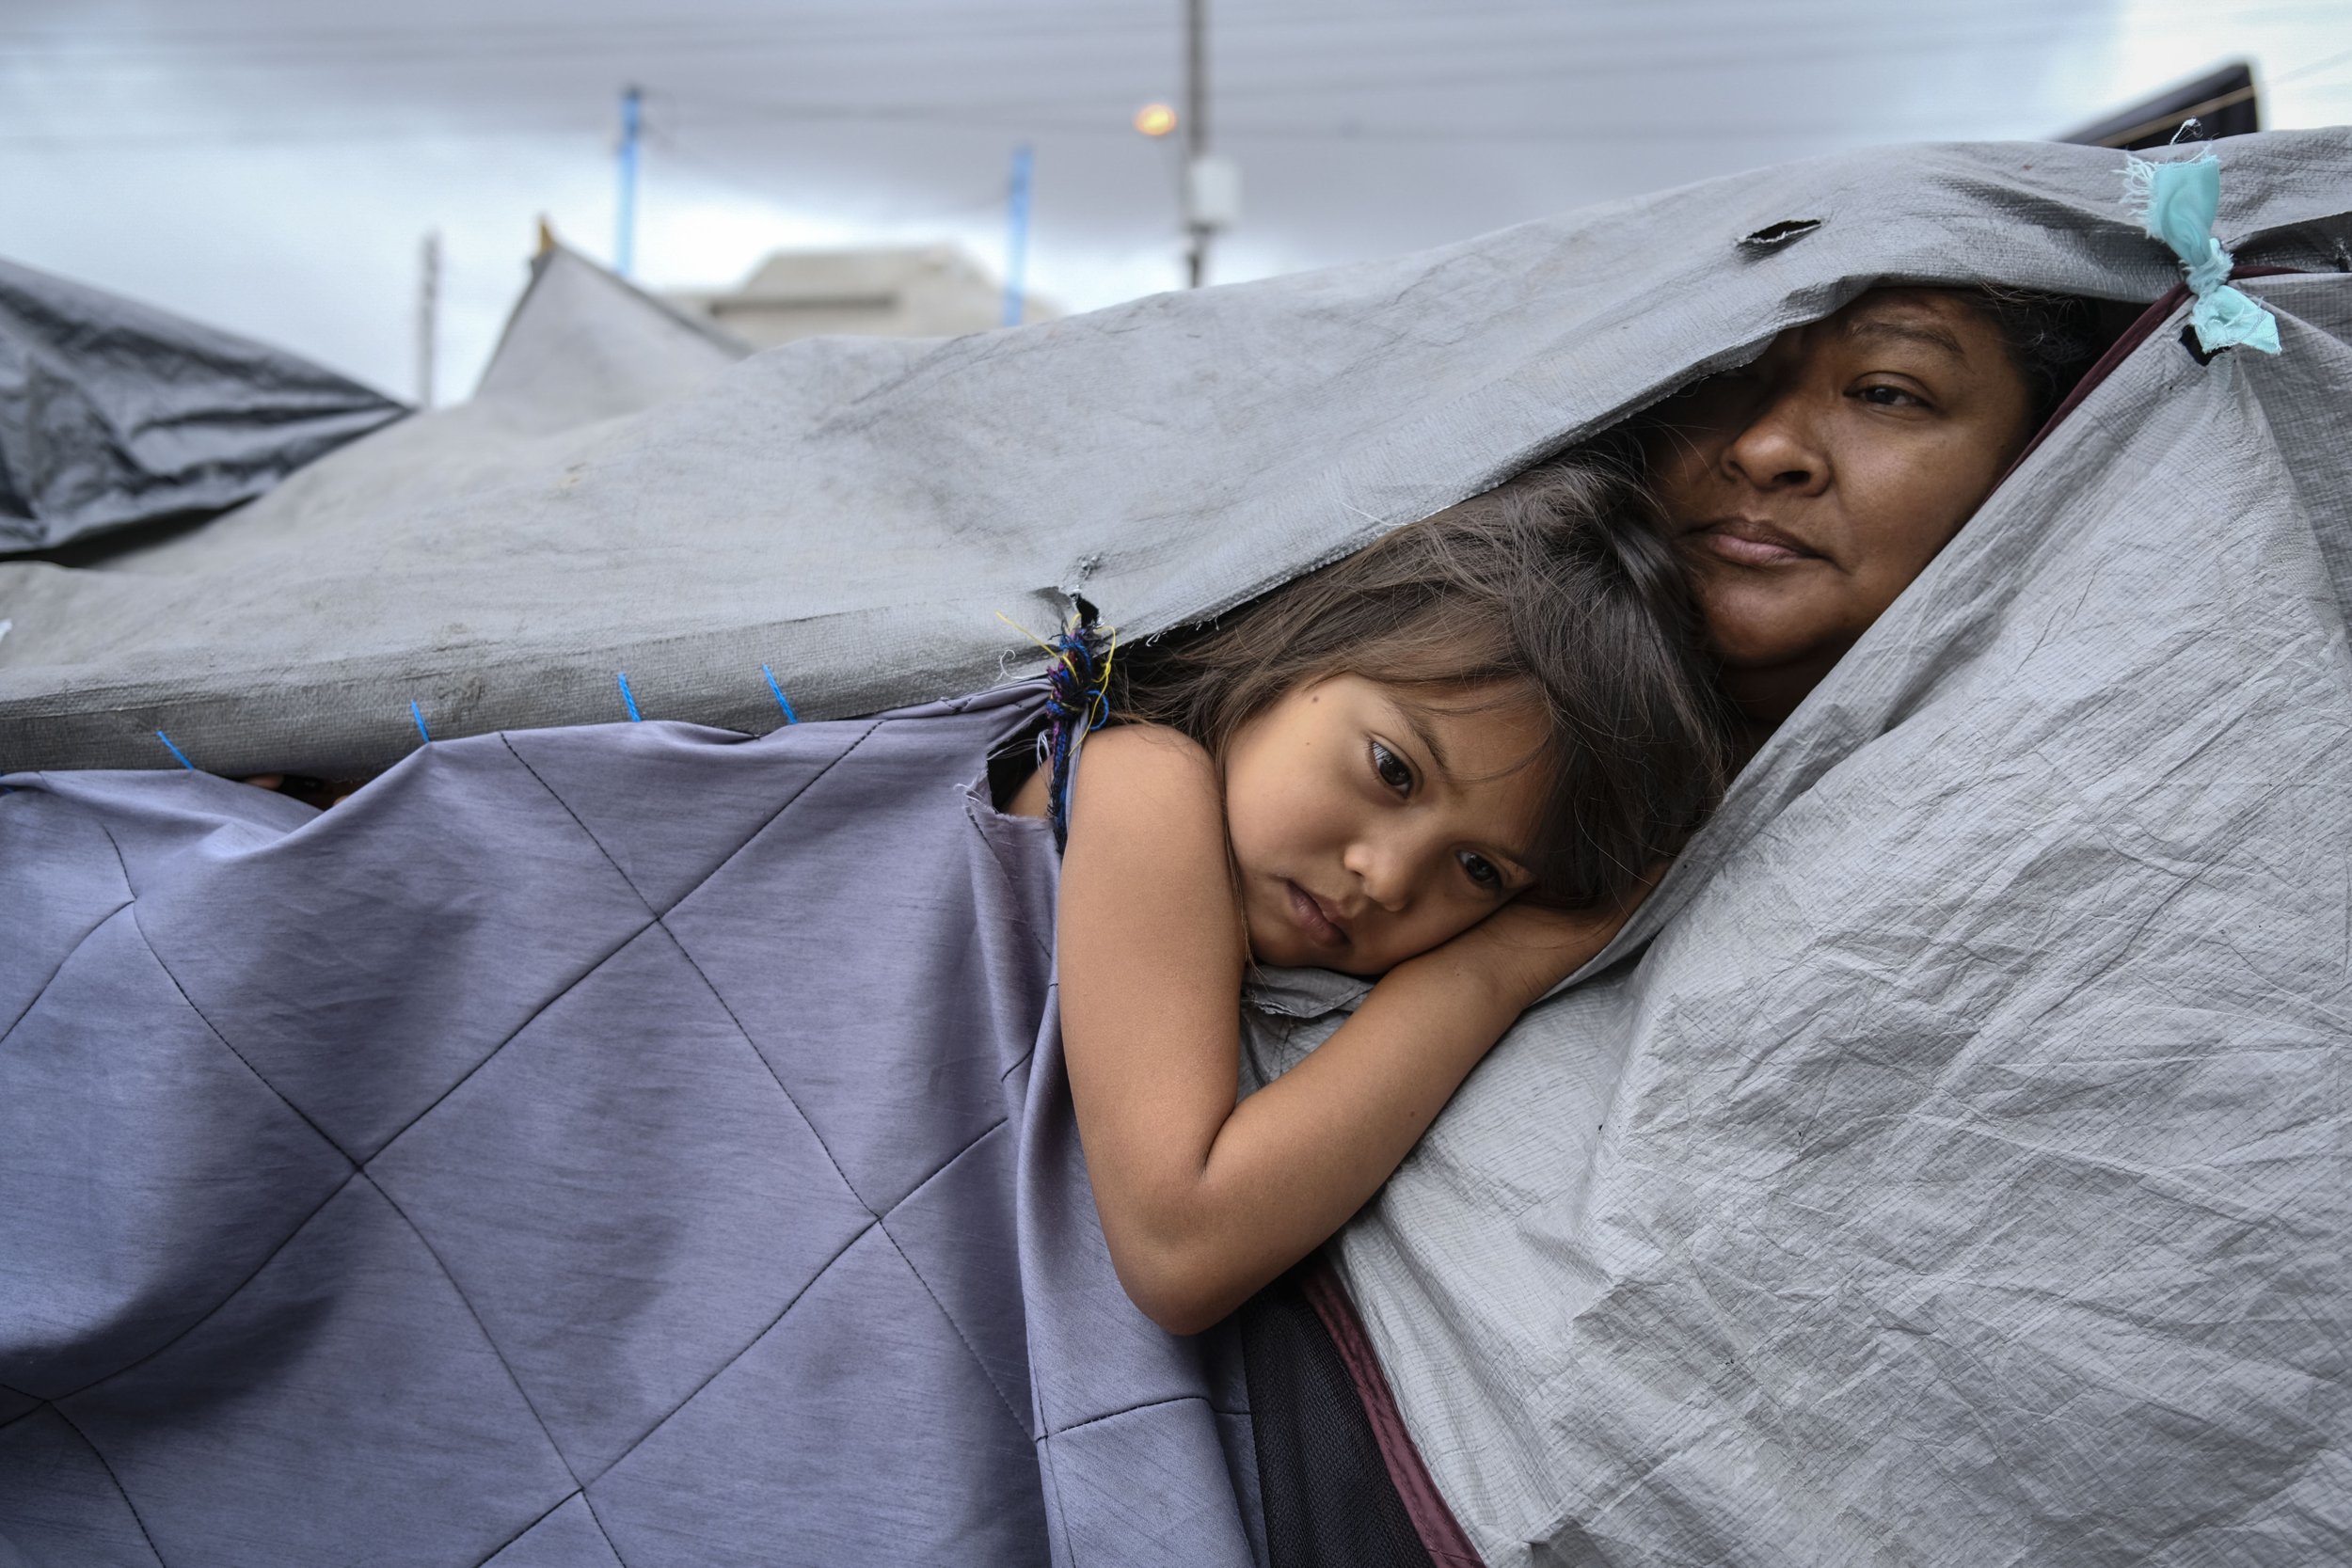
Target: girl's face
{"x":1366,"y":828}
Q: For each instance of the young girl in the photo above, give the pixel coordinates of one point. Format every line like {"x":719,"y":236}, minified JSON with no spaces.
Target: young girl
{"x":1453,"y":761}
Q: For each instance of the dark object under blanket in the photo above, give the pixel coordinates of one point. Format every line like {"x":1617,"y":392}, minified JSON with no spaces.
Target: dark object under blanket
{"x":630,"y":1144}
{"x":1339,"y":1483}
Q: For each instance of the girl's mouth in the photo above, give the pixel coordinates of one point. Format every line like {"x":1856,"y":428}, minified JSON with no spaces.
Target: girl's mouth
{"x":1308,"y":911}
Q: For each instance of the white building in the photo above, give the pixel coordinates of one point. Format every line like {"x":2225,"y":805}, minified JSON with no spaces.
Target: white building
{"x":932,"y":291}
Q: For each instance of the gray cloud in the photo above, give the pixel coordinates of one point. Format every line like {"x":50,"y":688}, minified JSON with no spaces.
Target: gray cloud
{"x":270,"y":165}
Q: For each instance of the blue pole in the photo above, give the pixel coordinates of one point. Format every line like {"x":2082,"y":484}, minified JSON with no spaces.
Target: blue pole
{"x":625,"y":227}
{"x":1017,"y":234}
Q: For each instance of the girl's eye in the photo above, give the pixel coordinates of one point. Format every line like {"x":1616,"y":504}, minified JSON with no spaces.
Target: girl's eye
{"x":1482,"y":871}
{"x":1890,"y":397}
{"x":1391,"y":769}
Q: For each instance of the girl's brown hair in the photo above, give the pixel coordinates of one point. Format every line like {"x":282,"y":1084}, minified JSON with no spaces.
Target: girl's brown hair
{"x":1555,"y":587}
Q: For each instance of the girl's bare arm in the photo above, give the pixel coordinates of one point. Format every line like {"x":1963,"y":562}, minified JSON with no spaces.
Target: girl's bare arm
{"x":1201,"y":1200}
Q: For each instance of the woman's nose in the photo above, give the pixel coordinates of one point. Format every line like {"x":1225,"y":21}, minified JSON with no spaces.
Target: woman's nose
{"x":1780,"y":448}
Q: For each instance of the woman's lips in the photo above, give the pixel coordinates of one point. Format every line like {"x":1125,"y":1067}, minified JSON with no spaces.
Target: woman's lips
{"x":1308,"y":911}
{"x":1747,"y":542}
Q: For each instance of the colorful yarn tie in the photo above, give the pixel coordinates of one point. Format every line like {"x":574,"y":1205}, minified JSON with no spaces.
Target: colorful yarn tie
{"x":1077,"y":703}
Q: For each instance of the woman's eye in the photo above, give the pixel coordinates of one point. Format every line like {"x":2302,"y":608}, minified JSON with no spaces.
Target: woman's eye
{"x":1480,"y":870}
{"x":1890,"y":397}
{"x":1391,"y":769}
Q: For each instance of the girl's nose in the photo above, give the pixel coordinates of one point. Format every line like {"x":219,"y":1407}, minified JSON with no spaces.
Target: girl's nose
{"x":1383,"y":870}
{"x":1780,"y":448}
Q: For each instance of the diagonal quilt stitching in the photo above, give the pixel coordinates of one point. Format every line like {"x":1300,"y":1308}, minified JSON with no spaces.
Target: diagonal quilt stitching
{"x":749,"y":839}
{"x":1129,"y":1410}
{"x":794,"y":1300}
{"x":790,"y":1098}
{"x":849,"y":1186}
{"x":557,"y":995}
{"x":966,"y":1339}
{"x":258,"y":1076}
{"x":807,"y":784}
{"x":122,"y":862}
{"x":78,"y":943}
{"x":695,"y":965}
{"x":505,"y":1365}
{"x":119,"y":1488}
{"x":576,"y":1492}
{"x":972,"y":814}
{"x":213,"y":1311}
{"x":23,"y":1414}
{"x":597,"y":1519}
{"x":915,"y":1270}
{"x":752,"y":1343}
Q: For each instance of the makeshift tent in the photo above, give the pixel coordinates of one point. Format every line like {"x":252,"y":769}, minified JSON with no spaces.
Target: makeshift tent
{"x":1949,"y":1159}
{"x":114,"y":413}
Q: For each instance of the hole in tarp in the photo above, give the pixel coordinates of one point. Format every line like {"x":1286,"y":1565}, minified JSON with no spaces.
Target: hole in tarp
{"x":2195,"y":349}
{"x":1774,"y":235}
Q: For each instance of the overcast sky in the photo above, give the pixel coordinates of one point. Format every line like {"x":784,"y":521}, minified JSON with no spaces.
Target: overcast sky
{"x":272,"y":166}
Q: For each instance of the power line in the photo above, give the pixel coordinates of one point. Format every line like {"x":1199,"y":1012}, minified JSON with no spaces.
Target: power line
{"x":377,"y":46}
{"x":1030,"y":115}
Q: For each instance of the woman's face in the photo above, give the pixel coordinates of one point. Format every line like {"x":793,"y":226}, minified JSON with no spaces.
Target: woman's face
{"x":1367,"y":828}
{"x":1805,"y":491}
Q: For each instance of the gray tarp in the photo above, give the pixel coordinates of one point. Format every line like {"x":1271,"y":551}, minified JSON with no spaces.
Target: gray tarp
{"x":1966,"y":1148}
{"x":854,"y":512}
{"x":630,"y":1144}
{"x":114,"y":413}
{"x":1959,"y":1174}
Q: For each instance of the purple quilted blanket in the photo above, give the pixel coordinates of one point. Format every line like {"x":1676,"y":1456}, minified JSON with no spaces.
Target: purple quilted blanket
{"x":627,"y":1145}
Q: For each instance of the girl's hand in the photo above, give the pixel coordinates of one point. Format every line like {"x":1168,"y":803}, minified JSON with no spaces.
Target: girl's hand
{"x":1521,"y":951}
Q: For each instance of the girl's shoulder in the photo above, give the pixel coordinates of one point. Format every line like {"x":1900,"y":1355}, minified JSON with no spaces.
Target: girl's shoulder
{"x":1149,"y":746}
{"x":1145,"y":764}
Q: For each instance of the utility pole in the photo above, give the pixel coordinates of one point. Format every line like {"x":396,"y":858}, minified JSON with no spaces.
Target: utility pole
{"x":1017,"y":233}
{"x":428,"y":315}
{"x":1212,"y":185}
{"x":625,"y":227}
{"x":1195,"y":133}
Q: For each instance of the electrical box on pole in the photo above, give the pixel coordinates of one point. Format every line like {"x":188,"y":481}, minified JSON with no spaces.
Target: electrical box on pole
{"x":1212,"y":192}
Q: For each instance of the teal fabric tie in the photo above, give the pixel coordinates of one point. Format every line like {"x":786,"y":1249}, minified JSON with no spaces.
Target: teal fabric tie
{"x":2178,"y":203}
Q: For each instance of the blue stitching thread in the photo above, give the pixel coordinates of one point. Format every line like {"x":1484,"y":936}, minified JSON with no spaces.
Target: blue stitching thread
{"x":175,"y":751}
{"x":417,"y":714}
{"x":634,"y":715}
{"x":790,"y":716}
